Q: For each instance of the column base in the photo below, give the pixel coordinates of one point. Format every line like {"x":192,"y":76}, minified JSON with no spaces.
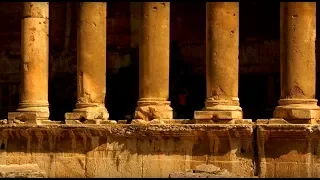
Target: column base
{"x":88,"y":114}
{"x":297,"y":109}
{"x":30,"y":118}
{"x":217,"y":115}
{"x":87,"y":118}
{"x":223,"y":111}
{"x":151,"y":109}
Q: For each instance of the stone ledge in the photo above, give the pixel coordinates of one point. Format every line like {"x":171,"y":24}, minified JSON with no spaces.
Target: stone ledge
{"x":283,"y":125}
{"x":221,"y":121}
{"x":127,"y":129}
{"x":90,"y":121}
{"x":161,"y":121}
{"x":288,"y":122}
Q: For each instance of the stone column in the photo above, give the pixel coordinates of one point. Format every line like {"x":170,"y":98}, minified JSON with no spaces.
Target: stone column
{"x":297,"y":57}
{"x":91,"y":65}
{"x":34,"y":105}
{"x":154,"y":62}
{"x":222,"y":63}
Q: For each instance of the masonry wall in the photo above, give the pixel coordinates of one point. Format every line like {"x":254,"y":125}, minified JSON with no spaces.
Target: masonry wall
{"x":262,"y":149}
{"x":127,"y":150}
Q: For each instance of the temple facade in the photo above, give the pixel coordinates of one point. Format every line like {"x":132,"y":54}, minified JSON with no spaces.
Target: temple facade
{"x":153,"y":143}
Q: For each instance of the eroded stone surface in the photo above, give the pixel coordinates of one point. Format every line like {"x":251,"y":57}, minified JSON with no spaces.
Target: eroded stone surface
{"x":124,"y":150}
{"x":296,"y":114}
{"x":92,"y":117}
{"x":205,"y":171}
{"x":22,"y":171}
{"x":3,"y":121}
{"x":217,"y":115}
{"x":27,"y":117}
{"x":153,"y":110}
{"x":296,"y":154}
{"x":161,"y":121}
{"x":95,"y":121}
{"x":208,"y":168}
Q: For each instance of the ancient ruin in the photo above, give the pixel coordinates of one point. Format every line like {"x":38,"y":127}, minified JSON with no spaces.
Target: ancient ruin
{"x":82,"y":97}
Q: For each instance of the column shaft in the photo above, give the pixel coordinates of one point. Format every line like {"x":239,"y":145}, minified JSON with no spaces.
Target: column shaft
{"x":34,"y":103}
{"x":222,"y":63}
{"x":297,"y":63}
{"x":154,"y":62}
{"x":91,"y":63}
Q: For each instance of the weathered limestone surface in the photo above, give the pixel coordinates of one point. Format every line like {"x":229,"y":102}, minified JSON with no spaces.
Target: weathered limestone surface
{"x":154,"y":62}
{"x":222,"y":63}
{"x":21,"y":171}
{"x":35,"y":63}
{"x":127,"y":150}
{"x":91,"y":64}
{"x":288,"y":150}
{"x":298,"y":70}
{"x":205,"y":171}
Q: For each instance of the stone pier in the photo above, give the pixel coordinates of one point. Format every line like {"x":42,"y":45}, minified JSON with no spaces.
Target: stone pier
{"x":91,"y":65}
{"x":294,"y":130}
{"x":297,"y":57}
{"x":287,"y":150}
{"x":222,"y":63}
{"x":34,"y":105}
{"x":127,"y":151}
{"x":154,"y":62}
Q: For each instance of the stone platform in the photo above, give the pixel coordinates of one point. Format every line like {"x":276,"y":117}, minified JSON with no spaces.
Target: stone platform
{"x":267,"y":148}
{"x":124,"y":150}
{"x":288,"y":150}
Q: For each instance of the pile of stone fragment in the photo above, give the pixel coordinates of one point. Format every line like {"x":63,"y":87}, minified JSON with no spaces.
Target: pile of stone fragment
{"x":21,"y":171}
{"x":205,"y":171}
